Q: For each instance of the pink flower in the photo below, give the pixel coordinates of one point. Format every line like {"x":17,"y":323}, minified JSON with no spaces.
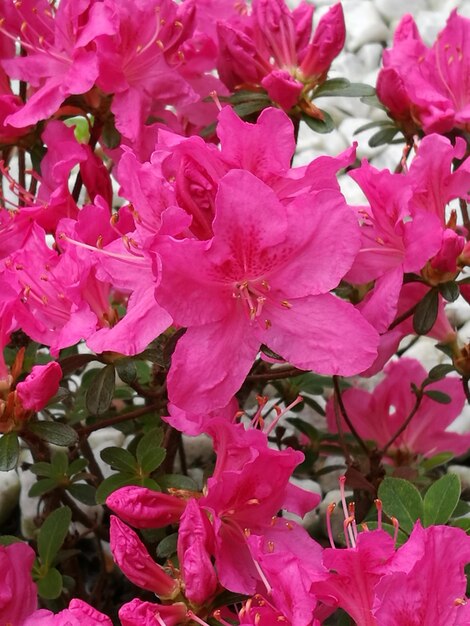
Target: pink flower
{"x":423,"y":85}
{"x":378,"y":415}
{"x":133,"y":559}
{"x":431,"y":592}
{"x":79,"y":613}
{"x":267,"y":283}
{"x":40,"y":386}
{"x":138,"y":613}
{"x":17,"y":590}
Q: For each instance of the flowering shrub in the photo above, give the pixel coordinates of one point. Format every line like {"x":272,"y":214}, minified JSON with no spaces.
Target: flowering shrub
{"x":168,"y":271}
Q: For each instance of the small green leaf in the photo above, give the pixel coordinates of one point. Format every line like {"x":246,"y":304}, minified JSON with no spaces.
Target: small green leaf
{"x":441,"y":499}
{"x":304,"y":427}
{"x":100,"y":393}
{"x":9,"y":451}
{"x":326,"y":125}
{"x":374,"y":124}
{"x":150,"y":441}
{"x":127,"y":371}
{"x":245,"y":109}
{"x":177,"y":481}
{"x":438,"y":396}
{"x":42,"y":486}
{"x":383,"y":136}
{"x":83,"y":493}
{"x":426,"y":313}
{"x":7,"y":540}
{"x":54,"y":432}
{"x":41,"y":469}
{"x":450,"y":291}
{"x":119,"y":459}
{"x":402,"y":500}
{"x":343,"y":88}
{"x":151,"y":460}
{"x":50,"y":585}
{"x":167,"y":546}
{"x":436,"y":461}
{"x":74,"y":362}
{"x":77,"y":466}
{"x":52,"y":534}
{"x":110,"y":484}
{"x":59,"y":463}
{"x":463,"y":523}
{"x":438,"y":372}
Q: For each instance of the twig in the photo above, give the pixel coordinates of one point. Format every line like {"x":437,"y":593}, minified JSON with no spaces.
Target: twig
{"x":85,"y":430}
{"x":346,"y":417}
{"x":465,"y":216}
{"x":276,"y":374}
{"x":404,"y":426}
{"x":92,"y":462}
{"x":466,"y":390}
{"x":403,"y":316}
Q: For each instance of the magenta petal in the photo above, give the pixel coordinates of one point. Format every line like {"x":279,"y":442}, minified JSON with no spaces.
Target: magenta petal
{"x":335,"y":338}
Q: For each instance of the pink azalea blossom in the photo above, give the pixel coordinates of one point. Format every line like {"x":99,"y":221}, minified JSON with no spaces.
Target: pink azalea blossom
{"x":379,"y":414}
{"x":39,"y":386}
{"x":139,"y":613}
{"x":79,"y":613}
{"x":17,"y":590}
{"x":428,"y":87}
{"x":267,"y":283}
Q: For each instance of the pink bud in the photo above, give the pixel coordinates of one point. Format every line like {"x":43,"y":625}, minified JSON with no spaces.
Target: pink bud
{"x":39,"y":386}
{"x":132,"y":557}
{"x":17,"y":590}
{"x":282,"y":88}
{"x":327,"y":43}
{"x":138,"y":613}
{"x":144,"y":508}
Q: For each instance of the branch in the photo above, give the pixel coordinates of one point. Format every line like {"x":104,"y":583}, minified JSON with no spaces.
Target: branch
{"x":286,"y":372}
{"x":85,"y":430}
{"x":404,"y":426}
{"x":346,"y":417}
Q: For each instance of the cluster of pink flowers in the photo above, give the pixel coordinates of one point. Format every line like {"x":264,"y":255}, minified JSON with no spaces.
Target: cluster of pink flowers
{"x":242,"y":257}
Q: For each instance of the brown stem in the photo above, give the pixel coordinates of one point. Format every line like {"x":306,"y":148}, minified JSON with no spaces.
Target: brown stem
{"x":92,"y":463}
{"x":466,"y":390}
{"x":276,"y":374}
{"x":404,"y":426}
{"x":347,"y":419}
{"x":171,"y":445}
{"x":465,"y":217}
{"x":406,"y":151}
{"x":401,"y":318}
{"x":85,"y":430}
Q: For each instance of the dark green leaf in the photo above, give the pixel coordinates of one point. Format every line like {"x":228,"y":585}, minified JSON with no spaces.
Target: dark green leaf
{"x":383,"y":137}
{"x":304,"y":427}
{"x":447,"y":350}
{"x":463,"y":523}
{"x":177,"y":481}
{"x":110,"y":484}
{"x":373,"y":101}
{"x":127,"y":371}
{"x":54,"y":432}
{"x":375,"y":124}
{"x":52,"y":534}
{"x":438,"y":396}
{"x":50,"y":585}
{"x":59,"y":463}
{"x":7,"y":540}
{"x":245,"y":109}
{"x":150,"y":441}
{"x":83,"y":493}
{"x":9,"y":451}
{"x":119,"y":459}
{"x":100,"y":393}
{"x":167,"y":547}
{"x":333,"y":87}
{"x":326,"y":125}
{"x":110,"y":135}
{"x":426,"y":312}
{"x":151,"y":460}
{"x":402,"y":500}
{"x":42,"y":486}
{"x":72,"y":363}
{"x":243,"y":95}
{"x":441,"y":499}
{"x":77,"y":466}
{"x":440,"y":371}
{"x":449,"y":291}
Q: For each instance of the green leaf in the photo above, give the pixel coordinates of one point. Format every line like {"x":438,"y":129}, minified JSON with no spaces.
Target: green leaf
{"x":7,"y":540}
{"x":77,"y":466}
{"x":42,"y":486}
{"x":383,"y":137}
{"x":390,"y":529}
{"x":119,"y":459}
{"x":426,"y":312}
{"x":436,"y":461}
{"x":9,"y":451}
{"x":326,"y":125}
{"x":438,"y":372}
{"x":83,"y":493}
{"x":463,"y":523}
{"x":373,"y":101}
{"x":245,"y":109}
{"x":59,"y":463}
{"x":151,"y":460}
{"x":50,"y":585}
{"x":304,"y":427}
{"x":74,"y":362}
{"x":438,"y":396}
{"x":441,"y":499}
{"x":52,"y":534}
{"x":110,"y":484}
{"x":110,"y":135}
{"x":177,"y":481}
{"x":342,"y":87}
{"x":127,"y":371}
{"x":374,"y":124}
{"x":150,"y":441}
{"x":54,"y":432}
{"x":402,"y":500}
{"x":167,"y":546}
{"x":100,"y":393}
{"x":450,"y":291}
